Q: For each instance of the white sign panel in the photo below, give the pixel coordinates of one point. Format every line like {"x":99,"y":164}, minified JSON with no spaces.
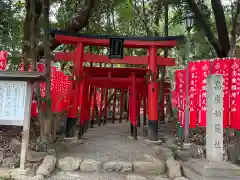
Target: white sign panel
{"x":12,"y":102}
{"x":214,"y":139}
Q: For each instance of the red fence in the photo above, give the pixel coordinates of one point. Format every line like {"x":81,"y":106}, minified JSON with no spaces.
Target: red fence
{"x":198,"y":72}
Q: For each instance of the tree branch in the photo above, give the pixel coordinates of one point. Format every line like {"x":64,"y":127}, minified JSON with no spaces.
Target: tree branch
{"x":221,"y":26}
{"x":78,"y":22}
{"x":140,"y":16}
{"x":234,"y":32}
{"x":205,"y":26}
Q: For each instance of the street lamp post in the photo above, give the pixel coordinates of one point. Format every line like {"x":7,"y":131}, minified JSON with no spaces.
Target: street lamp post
{"x":189,"y":25}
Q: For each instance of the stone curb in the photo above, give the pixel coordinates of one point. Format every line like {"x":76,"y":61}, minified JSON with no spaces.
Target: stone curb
{"x":153,"y":164}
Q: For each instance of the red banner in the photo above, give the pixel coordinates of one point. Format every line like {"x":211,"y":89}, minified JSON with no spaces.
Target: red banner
{"x":3,"y":60}
{"x":235,"y":95}
{"x":203,"y":72}
{"x":192,"y":93}
{"x":99,"y":99}
{"x":198,"y":72}
{"x":174,"y":99}
{"x":181,"y":94}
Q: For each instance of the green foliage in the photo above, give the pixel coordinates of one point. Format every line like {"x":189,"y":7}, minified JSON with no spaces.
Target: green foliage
{"x":115,"y":17}
{"x":11,"y":26}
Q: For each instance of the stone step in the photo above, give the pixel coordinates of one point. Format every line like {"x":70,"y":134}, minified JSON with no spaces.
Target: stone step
{"x":98,"y":176}
{"x":195,"y":171}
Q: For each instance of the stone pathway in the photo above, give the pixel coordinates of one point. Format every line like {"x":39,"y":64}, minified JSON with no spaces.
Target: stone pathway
{"x":98,"y":176}
{"x":107,"y":153}
{"x":108,"y":143}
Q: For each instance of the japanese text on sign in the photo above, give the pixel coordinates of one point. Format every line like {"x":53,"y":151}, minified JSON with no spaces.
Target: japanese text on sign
{"x":12,"y":100}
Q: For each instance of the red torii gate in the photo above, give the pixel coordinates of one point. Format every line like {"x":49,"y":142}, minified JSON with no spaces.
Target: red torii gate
{"x":151,"y":43}
{"x":113,"y":78}
{"x":110,"y":81}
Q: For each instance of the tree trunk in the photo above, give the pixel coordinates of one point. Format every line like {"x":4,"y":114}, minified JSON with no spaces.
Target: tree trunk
{"x":205,"y":25}
{"x":235,"y":32}
{"x":222,"y":29}
{"x":26,"y":35}
{"x":161,"y":93}
{"x":26,"y":28}
{"x":48,"y":119}
{"x":33,"y":36}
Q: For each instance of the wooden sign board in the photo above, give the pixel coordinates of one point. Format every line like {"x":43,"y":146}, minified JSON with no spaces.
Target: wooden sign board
{"x":15,"y":106}
{"x":12,"y":102}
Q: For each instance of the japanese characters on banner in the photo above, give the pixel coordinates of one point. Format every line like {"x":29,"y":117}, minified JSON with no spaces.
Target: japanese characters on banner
{"x":198,"y":72}
{"x":181,"y":94}
{"x":3,"y":60}
{"x":192,"y":93}
{"x":235,"y":95}
{"x":203,"y":72}
{"x":99,"y":99}
{"x":60,"y":89}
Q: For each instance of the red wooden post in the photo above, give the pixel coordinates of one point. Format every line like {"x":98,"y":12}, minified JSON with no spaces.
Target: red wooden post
{"x":153,"y":95}
{"x":121,"y":104}
{"x":72,"y":112}
{"x":106,"y":107}
{"x":138,"y":108}
{"x":162,"y":114}
{"x":114,"y":105}
{"x":134,"y":106}
{"x":93,"y":106}
{"x":88,"y":105}
{"x":83,"y":110}
{"x":101,"y":108}
{"x":80,"y":94}
{"x":144,"y":111}
{"x":130,"y":110}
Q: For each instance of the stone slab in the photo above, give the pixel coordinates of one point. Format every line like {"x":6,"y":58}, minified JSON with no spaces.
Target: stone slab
{"x":183,"y":155}
{"x":193,"y":175}
{"x":186,"y":145}
{"x":158,"y":142}
{"x":14,"y":172}
{"x":149,"y":167}
{"x":210,"y":168}
{"x":119,"y":166}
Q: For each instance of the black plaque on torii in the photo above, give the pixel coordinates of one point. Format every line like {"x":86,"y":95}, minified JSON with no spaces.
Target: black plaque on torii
{"x":116,"y":48}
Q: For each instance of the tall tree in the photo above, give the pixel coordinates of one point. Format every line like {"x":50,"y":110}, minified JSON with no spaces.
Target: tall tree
{"x":27,"y":27}
{"x":222,"y":44}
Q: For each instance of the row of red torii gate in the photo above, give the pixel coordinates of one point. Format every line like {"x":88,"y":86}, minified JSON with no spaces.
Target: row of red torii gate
{"x":141,"y":90}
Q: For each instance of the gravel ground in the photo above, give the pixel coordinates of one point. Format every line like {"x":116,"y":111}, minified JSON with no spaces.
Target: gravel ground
{"x":8,"y":133}
{"x":200,"y":137}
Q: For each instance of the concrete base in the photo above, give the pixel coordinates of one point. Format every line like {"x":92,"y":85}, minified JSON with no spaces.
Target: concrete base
{"x":186,"y":145}
{"x":202,"y":169}
{"x":183,"y":155}
{"x":131,"y":137}
{"x":158,"y":142}
{"x":73,"y":140}
{"x":9,"y":172}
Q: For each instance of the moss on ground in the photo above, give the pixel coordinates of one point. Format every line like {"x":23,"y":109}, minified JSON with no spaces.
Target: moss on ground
{"x":6,"y":178}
